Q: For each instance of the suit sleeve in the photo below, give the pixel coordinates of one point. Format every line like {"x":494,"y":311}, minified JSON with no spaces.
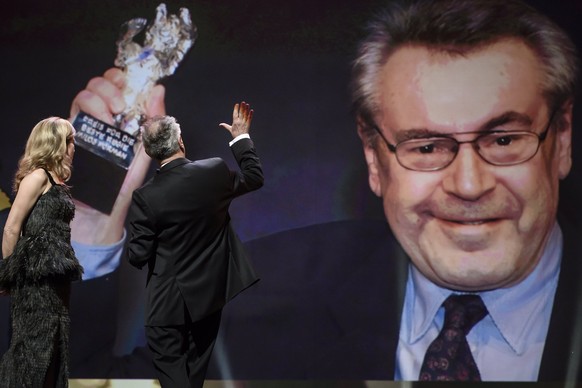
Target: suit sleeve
{"x":250,"y":177}
{"x":141,"y":247}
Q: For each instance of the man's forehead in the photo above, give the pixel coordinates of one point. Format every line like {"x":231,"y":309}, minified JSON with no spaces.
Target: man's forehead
{"x":450,"y":88}
{"x":413,"y":61}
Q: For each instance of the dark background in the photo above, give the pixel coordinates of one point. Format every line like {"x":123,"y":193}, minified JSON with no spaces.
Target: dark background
{"x":290,"y":60}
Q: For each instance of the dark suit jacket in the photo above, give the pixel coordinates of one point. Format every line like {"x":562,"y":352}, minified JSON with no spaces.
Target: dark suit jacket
{"x":180,"y":228}
{"x":330,"y":301}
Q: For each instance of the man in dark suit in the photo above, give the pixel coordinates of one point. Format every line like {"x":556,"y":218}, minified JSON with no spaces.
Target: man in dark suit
{"x":340,"y":317}
{"x":180,"y":228}
{"x":464,"y":109}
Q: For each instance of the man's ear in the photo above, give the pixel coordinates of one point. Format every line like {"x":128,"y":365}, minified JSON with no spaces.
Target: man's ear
{"x":564,"y":140}
{"x":371,"y":157}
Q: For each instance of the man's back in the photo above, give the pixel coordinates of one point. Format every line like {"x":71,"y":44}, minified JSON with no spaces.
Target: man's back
{"x":180,"y":228}
{"x":181,"y":218}
{"x":189,"y":206}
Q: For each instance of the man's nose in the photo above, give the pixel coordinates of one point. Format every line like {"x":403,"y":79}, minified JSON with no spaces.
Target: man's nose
{"x":468,"y":177}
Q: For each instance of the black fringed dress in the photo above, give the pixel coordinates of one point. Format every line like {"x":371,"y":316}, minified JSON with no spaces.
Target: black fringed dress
{"x":38,"y":276}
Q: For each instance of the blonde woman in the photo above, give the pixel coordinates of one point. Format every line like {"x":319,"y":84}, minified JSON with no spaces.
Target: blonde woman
{"x":39,"y":262}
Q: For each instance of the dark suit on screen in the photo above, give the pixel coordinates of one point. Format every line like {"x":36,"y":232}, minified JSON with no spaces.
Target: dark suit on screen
{"x":180,"y":228}
{"x":339,"y":318}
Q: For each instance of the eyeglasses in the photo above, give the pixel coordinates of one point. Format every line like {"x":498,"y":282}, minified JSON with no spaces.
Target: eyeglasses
{"x":499,"y":148}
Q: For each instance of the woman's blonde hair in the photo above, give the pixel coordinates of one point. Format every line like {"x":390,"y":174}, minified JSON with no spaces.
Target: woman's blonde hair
{"x":46,"y":147}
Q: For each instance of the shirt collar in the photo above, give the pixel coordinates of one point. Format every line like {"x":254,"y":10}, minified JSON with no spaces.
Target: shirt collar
{"x":513,"y":310}
{"x":172,"y":163}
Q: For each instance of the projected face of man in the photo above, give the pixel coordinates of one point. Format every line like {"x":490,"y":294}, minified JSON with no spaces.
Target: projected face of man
{"x":471,"y":225}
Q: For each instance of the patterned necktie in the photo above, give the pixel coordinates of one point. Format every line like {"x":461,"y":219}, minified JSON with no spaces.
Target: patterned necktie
{"x":448,"y":358}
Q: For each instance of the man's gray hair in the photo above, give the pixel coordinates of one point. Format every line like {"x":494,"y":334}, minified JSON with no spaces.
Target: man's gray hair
{"x":459,"y":27}
{"x":161,"y":137}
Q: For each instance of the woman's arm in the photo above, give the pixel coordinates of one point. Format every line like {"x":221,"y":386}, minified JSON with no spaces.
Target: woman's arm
{"x":31,"y":188}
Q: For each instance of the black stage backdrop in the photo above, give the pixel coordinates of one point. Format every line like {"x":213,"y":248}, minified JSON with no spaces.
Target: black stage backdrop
{"x":290,"y":60}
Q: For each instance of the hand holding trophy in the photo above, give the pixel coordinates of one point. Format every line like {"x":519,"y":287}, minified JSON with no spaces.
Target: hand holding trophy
{"x":110,"y":162}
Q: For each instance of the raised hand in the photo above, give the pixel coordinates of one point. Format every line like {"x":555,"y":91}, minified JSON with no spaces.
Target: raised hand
{"x":242,"y":116}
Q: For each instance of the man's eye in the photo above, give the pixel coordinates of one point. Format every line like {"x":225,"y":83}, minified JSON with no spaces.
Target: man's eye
{"x":504,"y":140}
{"x":434,"y":146}
{"x":426,"y":149}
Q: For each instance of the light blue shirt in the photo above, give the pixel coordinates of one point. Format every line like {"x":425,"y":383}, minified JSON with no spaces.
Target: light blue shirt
{"x":507,"y":344}
{"x":98,"y":260}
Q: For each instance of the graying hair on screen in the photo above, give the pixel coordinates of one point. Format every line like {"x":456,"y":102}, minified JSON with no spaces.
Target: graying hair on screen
{"x":457,"y":27}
